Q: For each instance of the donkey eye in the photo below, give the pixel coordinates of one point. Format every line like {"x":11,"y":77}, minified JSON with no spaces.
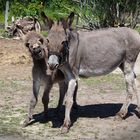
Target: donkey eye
{"x":64,"y":43}
{"x":47,"y":40}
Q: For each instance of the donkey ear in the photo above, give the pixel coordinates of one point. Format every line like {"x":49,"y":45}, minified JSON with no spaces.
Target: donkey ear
{"x":70,"y":19}
{"x":47,"y":20}
{"x":67,"y":22}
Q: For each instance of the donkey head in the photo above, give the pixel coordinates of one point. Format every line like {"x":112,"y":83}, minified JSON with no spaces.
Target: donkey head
{"x":36,"y":45}
{"x":58,"y":40}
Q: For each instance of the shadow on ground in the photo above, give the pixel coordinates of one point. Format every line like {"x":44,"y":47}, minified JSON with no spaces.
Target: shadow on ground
{"x":87,"y":111}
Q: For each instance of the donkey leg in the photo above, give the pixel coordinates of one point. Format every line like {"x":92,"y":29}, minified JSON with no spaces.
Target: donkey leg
{"x":68,"y":104}
{"x":45,"y":98}
{"x":130,"y":84}
{"x":75,"y":105}
{"x":62,"y":91}
{"x":135,"y":85}
{"x":33,"y":102}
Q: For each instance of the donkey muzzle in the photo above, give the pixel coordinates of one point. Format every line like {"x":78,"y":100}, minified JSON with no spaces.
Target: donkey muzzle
{"x":53,"y":62}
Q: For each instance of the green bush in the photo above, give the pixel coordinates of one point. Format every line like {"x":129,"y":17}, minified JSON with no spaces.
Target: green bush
{"x":19,"y":9}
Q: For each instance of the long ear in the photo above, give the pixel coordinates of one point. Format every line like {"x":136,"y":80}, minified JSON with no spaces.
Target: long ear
{"x":47,"y":20}
{"x":67,"y":22}
{"x":70,"y":19}
{"x":41,"y":40}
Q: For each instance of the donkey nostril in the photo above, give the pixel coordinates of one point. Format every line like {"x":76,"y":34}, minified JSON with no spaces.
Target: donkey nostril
{"x":52,"y":66}
{"x":39,"y":51}
{"x":56,"y":65}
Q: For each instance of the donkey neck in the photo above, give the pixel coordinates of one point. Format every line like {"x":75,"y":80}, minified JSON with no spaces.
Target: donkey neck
{"x":40,"y":64}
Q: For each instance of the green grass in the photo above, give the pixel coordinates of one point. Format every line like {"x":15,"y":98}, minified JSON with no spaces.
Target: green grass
{"x":12,"y":115}
{"x":138,"y":29}
{"x":11,"y":85}
{"x":111,"y":81}
{"x":2,"y":32}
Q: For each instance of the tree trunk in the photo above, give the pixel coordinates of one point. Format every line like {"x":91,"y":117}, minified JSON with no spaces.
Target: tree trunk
{"x":6,"y":14}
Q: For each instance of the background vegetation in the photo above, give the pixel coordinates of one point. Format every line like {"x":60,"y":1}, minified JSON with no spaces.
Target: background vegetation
{"x":90,"y":13}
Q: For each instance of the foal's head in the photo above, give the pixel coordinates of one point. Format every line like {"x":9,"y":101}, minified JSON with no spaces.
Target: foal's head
{"x":36,"y":45}
{"x":58,"y":40}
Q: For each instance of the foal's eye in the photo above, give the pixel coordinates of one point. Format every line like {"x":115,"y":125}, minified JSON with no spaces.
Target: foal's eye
{"x":27,"y":44}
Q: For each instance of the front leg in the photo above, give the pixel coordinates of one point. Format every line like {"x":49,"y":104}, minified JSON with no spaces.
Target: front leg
{"x":69,"y":76}
{"x":62,"y":92}
{"x":33,"y":102}
{"x":63,"y":86}
{"x":45,"y":98}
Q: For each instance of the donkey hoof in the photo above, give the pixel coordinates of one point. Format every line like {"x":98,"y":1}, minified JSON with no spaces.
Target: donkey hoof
{"x":27,"y":122}
{"x":64,"y":129}
{"x":120,"y":115}
{"x":118,"y":118}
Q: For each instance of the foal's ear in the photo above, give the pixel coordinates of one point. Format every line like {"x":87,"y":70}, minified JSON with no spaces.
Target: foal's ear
{"x":49,"y":22}
{"x":68,"y":21}
{"x":41,"y":40}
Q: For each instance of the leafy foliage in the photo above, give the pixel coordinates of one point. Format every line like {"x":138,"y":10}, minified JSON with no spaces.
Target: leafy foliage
{"x":91,"y":13}
{"x":108,"y":13}
{"x":26,"y":8}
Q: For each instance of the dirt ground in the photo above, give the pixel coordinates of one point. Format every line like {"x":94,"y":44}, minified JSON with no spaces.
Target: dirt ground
{"x":99,"y":100}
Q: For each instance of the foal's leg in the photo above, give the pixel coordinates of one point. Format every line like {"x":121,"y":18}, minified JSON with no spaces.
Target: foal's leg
{"x":33,"y":102}
{"x":45,"y":98}
{"x":127,"y":68}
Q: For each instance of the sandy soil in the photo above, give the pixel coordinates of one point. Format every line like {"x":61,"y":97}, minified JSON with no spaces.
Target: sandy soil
{"x":99,"y":100}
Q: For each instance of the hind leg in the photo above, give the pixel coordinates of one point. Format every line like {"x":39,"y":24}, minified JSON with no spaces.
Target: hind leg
{"x":137,"y":95}
{"x":75,"y":105}
{"x":127,"y":68}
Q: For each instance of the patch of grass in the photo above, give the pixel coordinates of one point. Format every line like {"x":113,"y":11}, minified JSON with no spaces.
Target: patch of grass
{"x":3,"y":33}
{"x":9,"y":123}
{"x":11,"y":85}
{"x":111,"y":81}
{"x":138,"y":29}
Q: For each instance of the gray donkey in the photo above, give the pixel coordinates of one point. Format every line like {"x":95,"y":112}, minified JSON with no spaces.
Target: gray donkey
{"x":37,"y":46}
{"x":94,"y":53}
